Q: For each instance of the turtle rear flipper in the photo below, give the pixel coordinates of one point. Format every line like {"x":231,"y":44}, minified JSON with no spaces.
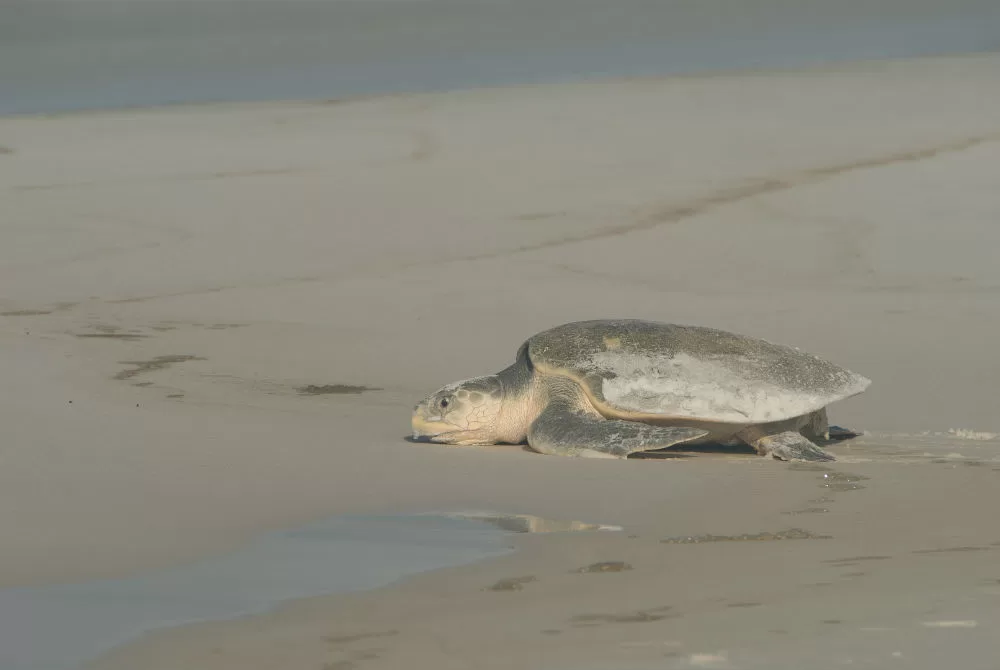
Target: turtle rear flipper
{"x":789,"y":445}
{"x":841,"y":433}
{"x":565,"y":430}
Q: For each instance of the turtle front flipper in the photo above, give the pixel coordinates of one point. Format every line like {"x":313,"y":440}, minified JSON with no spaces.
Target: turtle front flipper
{"x":563,"y":429}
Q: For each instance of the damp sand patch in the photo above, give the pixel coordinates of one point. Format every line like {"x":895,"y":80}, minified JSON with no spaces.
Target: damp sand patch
{"x":781,"y":535}
{"x":158,"y":363}
{"x":112,"y":336}
{"x":335,"y":389}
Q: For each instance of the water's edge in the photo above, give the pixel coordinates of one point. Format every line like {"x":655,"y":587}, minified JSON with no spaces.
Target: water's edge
{"x":63,"y":56}
{"x":63,"y":626}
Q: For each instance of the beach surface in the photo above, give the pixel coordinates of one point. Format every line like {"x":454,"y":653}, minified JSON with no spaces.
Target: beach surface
{"x":215,"y":320}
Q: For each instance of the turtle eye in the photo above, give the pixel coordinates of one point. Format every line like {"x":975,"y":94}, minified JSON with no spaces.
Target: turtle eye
{"x":444,"y":403}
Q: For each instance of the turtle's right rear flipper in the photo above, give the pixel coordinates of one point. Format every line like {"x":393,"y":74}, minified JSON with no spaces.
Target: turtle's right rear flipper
{"x":789,"y":445}
{"x":837,"y":433}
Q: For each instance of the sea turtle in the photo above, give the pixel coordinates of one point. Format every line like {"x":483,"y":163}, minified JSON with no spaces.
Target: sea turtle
{"x":609,"y":388}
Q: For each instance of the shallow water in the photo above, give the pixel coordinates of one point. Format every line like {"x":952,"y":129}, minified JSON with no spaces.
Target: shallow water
{"x":60,"y":627}
{"x":59,"y":55}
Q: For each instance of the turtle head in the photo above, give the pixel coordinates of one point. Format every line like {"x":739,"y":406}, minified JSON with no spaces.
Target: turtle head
{"x":465,"y":413}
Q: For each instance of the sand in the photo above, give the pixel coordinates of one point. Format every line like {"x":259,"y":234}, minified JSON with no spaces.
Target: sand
{"x":172,"y":279}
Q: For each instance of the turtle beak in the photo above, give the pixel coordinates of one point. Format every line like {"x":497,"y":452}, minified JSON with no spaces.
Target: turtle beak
{"x":424,"y":432}
{"x":427,"y":428}
{"x":435,"y":429}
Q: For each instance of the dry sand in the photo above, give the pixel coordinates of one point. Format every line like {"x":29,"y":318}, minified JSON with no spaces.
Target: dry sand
{"x":171,"y":279}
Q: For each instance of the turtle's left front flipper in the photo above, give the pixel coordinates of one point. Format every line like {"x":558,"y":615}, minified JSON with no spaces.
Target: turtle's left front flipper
{"x":565,"y":430}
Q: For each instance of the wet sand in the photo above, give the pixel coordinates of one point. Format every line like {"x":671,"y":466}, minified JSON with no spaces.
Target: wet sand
{"x":54,"y":627}
{"x":175,"y":281}
{"x":887,"y":558}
